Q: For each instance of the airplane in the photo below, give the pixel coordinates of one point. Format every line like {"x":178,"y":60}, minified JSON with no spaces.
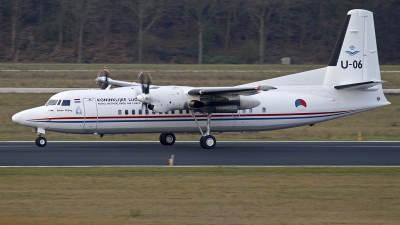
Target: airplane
{"x":351,"y":83}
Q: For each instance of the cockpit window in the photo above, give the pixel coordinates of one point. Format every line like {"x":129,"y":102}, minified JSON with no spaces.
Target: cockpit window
{"x":66,"y":103}
{"x":51,"y":102}
{"x":59,"y":102}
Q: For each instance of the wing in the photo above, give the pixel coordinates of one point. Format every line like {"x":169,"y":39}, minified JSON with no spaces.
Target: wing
{"x":117,"y":83}
{"x":230,"y":90}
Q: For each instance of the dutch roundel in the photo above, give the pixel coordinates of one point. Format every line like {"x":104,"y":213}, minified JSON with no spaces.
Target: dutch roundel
{"x":300,"y":104}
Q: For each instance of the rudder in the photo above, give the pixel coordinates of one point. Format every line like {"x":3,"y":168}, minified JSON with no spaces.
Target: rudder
{"x":355,"y":56}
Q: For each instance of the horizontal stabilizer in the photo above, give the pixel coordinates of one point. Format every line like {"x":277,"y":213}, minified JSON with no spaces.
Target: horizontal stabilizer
{"x":357,"y":86}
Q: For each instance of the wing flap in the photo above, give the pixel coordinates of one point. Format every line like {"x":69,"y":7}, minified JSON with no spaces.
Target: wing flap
{"x":230,"y":90}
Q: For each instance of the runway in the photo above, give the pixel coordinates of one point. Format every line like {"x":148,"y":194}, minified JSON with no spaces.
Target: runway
{"x":191,"y":154}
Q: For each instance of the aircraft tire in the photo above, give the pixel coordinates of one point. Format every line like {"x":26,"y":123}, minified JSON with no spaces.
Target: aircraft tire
{"x":161,"y":139}
{"x":208,"y":142}
{"x":41,"y":141}
{"x":167,"y":138}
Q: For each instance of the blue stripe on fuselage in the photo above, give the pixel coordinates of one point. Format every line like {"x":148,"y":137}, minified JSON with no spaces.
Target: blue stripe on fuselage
{"x":149,"y":119}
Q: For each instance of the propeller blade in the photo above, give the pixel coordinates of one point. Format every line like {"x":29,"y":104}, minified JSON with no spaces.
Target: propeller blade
{"x":97,"y":80}
{"x":148,"y":83}
{"x":106,"y":75}
{"x":141,"y":78}
{"x":145,"y":81}
{"x":103,"y":86}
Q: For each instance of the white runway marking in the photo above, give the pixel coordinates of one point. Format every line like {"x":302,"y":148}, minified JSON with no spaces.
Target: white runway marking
{"x":218,"y":141}
{"x":199,"y":166}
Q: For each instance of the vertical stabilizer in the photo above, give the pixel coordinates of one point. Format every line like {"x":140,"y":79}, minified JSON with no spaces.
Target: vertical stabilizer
{"x":355,"y":57}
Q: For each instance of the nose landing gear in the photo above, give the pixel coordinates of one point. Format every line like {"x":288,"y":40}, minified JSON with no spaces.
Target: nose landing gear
{"x":41,"y":141}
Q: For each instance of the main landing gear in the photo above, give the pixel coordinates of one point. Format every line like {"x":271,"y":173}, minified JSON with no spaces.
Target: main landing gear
{"x":167,"y":138}
{"x":207,"y":141}
{"x":41,"y":141}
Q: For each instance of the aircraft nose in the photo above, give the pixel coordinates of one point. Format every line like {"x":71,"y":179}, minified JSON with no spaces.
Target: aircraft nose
{"x":18,"y":117}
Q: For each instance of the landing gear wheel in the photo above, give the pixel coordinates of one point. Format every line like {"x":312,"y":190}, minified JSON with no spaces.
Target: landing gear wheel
{"x":41,"y":141}
{"x":167,"y":138}
{"x":208,"y":142}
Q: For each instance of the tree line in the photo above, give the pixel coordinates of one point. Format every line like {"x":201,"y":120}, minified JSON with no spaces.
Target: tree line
{"x":185,"y":31}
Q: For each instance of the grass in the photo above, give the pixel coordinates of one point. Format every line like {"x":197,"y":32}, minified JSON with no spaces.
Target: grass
{"x":83,"y":75}
{"x":218,"y":195}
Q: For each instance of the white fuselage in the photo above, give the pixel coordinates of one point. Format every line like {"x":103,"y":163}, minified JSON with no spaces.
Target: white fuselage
{"x":117,"y":111}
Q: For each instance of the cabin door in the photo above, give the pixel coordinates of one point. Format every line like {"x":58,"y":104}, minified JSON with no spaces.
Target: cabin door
{"x":90,"y":119}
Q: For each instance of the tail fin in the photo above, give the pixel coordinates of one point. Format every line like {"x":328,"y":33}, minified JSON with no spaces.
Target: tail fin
{"x":355,"y":57}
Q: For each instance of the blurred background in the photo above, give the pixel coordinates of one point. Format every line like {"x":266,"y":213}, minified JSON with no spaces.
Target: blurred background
{"x":185,"y":31}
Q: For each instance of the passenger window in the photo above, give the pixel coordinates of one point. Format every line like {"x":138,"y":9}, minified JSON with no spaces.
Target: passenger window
{"x":166,"y":112}
{"x":133,"y":112}
{"x":160,"y":112}
{"x":140,"y":112}
{"x":66,"y":103}
{"x":146,"y":111}
{"x":172,"y":111}
{"x":187,"y":111}
{"x":180,"y":111}
{"x":250,"y":110}
{"x":264,"y":109}
{"x":119,"y":112}
{"x":243,"y":111}
{"x":152,"y":112}
{"x":126,"y":112}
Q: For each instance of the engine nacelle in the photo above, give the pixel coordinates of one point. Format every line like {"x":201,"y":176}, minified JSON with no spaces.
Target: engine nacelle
{"x":168,"y":98}
{"x":173,"y":98}
{"x":229,"y":105}
{"x":248,"y":102}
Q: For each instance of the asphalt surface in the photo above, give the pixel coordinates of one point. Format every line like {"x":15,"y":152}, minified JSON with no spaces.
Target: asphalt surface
{"x":191,"y":154}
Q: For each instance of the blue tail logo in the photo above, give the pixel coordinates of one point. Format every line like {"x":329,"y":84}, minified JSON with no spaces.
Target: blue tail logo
{"x":350,"y":52}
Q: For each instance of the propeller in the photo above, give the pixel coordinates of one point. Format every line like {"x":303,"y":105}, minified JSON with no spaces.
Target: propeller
{"x":103,"y":85}
{"x":145,"y":81}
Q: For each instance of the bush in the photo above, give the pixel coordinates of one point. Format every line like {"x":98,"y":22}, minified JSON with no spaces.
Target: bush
{"x":250,"y":52}
{"x":191,"y":50}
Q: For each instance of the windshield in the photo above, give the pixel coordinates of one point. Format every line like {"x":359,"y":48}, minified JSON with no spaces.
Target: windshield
{"x":51,"y":102}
